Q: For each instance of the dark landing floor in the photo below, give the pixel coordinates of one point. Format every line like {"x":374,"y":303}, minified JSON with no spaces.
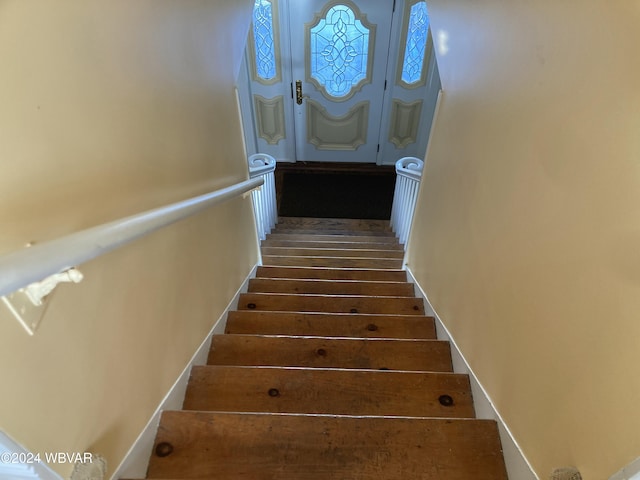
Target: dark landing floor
{"x":335,"y":190}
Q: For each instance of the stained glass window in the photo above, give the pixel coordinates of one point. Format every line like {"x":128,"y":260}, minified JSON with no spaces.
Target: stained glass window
{"x":264,"y":39}
{"x":417,"y":30}
{"x":339,"y":51}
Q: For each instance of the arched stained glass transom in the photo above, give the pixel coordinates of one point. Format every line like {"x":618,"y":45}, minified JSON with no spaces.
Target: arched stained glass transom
{"x":339,"y":50}
{"x":264,"y":40}
{"x":417,"y":30}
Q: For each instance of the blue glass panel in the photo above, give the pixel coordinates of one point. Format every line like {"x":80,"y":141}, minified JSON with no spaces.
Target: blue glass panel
{"x":263,"y":35}
{"x":416,"y":43}
{"x":339,"y":51}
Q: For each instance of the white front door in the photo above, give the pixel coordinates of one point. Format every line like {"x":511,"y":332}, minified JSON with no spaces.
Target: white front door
{"x":339,"y":80}
{"x":339,"y":52}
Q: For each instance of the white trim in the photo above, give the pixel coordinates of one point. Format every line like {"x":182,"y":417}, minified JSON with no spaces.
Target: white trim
{"x":436,"y":111}
{"x":518,"y":467}
{"x":136,"y":461}
{"x":629,"y":472}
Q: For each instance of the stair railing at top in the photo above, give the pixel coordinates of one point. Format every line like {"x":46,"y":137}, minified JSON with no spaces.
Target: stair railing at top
{"x":409,"y":174}
{"x":23,"y":271}
{"x":262,"y":165}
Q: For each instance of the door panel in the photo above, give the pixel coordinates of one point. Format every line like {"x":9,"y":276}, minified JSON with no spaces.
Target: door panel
{"x":413,"y":86}
{"x":405,"y":120}
{"x":346,"y":133}
{"x":269,"y":106}
{"x":270,"y":118}
{"x":339,"y":52}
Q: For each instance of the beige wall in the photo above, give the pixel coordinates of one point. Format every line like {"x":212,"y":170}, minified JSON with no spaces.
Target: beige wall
{"x":528,"y":230}
{"x":109,"y":109}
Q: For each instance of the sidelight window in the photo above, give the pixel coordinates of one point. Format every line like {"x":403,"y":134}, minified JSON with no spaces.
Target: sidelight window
{"x":264,"y":44}
{"x":417,"y":31}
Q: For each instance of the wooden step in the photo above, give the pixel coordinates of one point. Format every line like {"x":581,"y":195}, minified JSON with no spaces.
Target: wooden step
{"x":314,"y":237}
{"x":331,"y":231}
{"x":232,"y":446}
{"x":307,"y":223}
{"x":372,"y":245}
{"x":333,"y":287}
{"x":329,"y":391}
{"x":376,"y":275}
{"x":332,"y":262}
{"x":320,"y":352}
{"x":331,"y":325}
{"x":332,"y":252}
{"x":280,"y":302}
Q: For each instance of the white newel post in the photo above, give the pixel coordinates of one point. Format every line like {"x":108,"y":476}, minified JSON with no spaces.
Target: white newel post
{"x":409,"y":173}
{"x":264,"y":198}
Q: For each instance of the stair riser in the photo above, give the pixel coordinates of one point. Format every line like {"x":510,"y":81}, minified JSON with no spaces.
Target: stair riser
{"x":332,"y":231}
{"x":332,"y":274}
{"x":333,"y":223}
{"x":310,"y":237}
{"x":331,"y":303}
{"x":291,"y":447}
{"x":418,"y":355}
{"x":330,"y":325}
{"x":333,"y":287}
{"x":285,"y":261}
{"x":336,"y":245}
{"x":327,"y":252}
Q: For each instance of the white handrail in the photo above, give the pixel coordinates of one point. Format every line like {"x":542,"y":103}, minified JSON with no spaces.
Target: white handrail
{"x":264,"y":199}
{"x":21,"y":268}
{"x":409,"y":174}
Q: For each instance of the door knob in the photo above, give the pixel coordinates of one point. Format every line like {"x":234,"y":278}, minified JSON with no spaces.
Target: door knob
{"x":299,"y":92}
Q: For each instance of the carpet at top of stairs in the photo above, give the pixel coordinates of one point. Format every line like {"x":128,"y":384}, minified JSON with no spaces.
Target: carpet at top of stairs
{"x":337,"y":195}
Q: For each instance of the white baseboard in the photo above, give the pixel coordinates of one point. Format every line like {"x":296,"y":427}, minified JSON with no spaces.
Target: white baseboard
{"x":629,"y":472}
{"x":518,"y":468}
{"x":136,"y":461}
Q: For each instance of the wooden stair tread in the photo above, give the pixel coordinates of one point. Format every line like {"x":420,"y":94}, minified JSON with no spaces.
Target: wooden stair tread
{"x":293,"y":447}
{"x":331,"y":303}
{"x":332,"y":231}
{"x":323,"y":352}
{"x":353,"y":245}
{"x":382,"y":275}
{"x":331,"y":324}
{"x":335,"y":287}
{"x":332,"y":237}
{"x":332,"y":252}
{"x":334,"y":262}
{"x":330,"y":391}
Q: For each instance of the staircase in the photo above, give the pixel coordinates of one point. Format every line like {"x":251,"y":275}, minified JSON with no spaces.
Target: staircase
{"x":329,"y":369}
